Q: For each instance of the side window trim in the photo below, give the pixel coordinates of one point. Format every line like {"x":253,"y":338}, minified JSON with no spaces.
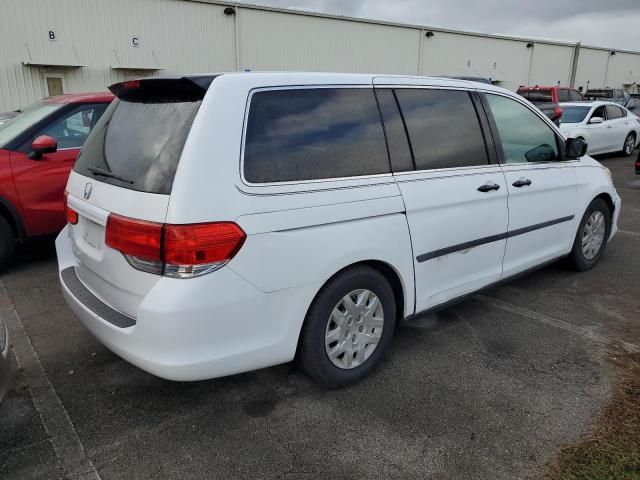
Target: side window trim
{"x":560,"y":144}
{"x":487,"y":132}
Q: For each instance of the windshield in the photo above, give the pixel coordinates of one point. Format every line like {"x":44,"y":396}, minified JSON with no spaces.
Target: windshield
{"x":25,"y":119}
{"x":138,"y":142}
{"x":537,"y":96}
{"x":574,"y":114}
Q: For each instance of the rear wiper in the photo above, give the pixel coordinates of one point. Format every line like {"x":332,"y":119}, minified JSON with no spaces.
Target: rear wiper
{"x":105,"y":173}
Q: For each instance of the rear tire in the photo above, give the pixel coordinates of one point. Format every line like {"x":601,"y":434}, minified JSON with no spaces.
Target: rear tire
{"x":591,"y":238}
{"x":629,"y":145}
{"x":348,"y":328}
{"x":7,"y":243}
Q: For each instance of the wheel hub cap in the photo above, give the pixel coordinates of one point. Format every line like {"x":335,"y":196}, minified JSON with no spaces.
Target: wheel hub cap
{"x":593,"y":235}
{"x":630,"y":144}
{"x":354,"y":329}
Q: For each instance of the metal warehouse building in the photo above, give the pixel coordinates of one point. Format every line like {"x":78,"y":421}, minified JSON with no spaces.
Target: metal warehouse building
{"x":55,"y":46}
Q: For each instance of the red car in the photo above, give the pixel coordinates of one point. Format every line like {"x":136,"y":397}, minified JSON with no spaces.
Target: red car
{"x":38,"y":148}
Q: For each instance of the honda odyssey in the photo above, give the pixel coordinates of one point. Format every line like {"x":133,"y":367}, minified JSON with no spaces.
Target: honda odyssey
{"x":224,"y":223}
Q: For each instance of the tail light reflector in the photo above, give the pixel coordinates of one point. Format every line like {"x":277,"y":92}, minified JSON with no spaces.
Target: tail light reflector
{"x":70,"y":214}
{"x":180,"y":251}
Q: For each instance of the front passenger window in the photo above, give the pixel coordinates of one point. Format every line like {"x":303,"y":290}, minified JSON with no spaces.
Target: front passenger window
{"x":524,"y":136}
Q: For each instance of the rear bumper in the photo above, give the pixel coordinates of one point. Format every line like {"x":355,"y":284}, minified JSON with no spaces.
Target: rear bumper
{"x":206,"y":327}
{"x":5,"y":363}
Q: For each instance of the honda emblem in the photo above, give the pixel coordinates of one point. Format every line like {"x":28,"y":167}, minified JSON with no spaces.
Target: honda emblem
{"x":87,"y":190}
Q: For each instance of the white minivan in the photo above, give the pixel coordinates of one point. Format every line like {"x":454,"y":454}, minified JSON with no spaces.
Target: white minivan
{"x":223,"y":223}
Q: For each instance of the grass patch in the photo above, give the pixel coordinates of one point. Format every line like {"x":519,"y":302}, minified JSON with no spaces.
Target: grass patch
{"x":612,"y":450}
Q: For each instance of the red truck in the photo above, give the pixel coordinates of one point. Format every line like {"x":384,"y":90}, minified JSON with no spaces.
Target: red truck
{"x":547,"y":99}
{"x":38,"y":148}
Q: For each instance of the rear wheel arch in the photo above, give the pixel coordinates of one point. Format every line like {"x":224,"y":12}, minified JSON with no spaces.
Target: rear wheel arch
{"x":386,"y":270}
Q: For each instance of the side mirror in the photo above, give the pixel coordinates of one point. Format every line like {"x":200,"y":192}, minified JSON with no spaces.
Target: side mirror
{"x":595,"y":120}
{"x":541,"y":153}
{"x":41,"y":145}
{"x":576,"y":148}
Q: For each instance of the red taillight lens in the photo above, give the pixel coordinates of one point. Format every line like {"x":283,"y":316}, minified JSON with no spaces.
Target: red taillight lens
{"x":558,"y":112}
{"x":201,"y":243}
{"x":177,"y":250}
{"x":137,"y":238}
{"x":70,"y":214}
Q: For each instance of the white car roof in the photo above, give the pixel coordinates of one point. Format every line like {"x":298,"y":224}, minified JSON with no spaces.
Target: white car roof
{"x":322,"y":78}
{"x":597,"y":103}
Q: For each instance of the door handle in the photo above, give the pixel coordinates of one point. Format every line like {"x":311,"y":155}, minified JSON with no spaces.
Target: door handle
{"x":487,"y":187}
{"x":609,"y":126}
{"x":523,"y":182}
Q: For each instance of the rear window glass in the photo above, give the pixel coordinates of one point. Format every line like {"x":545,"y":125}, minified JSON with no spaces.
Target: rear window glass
{"x":599,"y":93}
{"x":316,"y":133}
{"x":138,"y":142}
{"x":540,"y":96}
{"x":574,"y":114}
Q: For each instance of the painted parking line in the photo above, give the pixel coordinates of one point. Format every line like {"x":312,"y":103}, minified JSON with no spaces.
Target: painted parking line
{"x":54,"y":417}
{"x":554,"y":322}
{"x":627,"y":232}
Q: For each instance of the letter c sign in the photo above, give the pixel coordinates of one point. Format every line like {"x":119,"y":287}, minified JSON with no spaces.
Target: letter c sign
{"x":135,"y":41}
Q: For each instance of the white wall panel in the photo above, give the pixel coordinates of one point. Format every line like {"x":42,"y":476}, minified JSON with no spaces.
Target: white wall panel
{"x":592,"y":65}
{"x":551,"y":64}
{"x":624,"y":69}
{"x":182,"y":36}
{"x":279,"y":41}
{"x":506,"y":61}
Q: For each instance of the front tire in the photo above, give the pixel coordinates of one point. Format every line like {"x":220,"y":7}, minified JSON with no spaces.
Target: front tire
{"x":348,"y":328}
{"x":592,"y":236}
{"x":629,"y":145}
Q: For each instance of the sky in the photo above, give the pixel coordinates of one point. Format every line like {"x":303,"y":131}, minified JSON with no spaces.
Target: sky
{"x":605,"y":23}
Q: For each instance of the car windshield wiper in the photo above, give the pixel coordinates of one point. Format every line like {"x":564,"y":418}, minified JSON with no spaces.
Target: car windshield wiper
{"x":105,"y":173}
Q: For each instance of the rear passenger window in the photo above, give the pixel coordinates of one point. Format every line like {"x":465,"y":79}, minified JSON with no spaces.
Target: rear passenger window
{"x":563,"y":95}
{"x":613,"y":112}
{"x":308,"y":134}
{"x":575,"y":96}
{"x":443,"y":128}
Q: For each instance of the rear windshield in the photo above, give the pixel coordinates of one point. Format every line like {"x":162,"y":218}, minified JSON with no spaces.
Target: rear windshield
{"x":138,"y":142}
{"x":600,"y":93}
{"x":574,"y":114}
{"x":539,"y":96}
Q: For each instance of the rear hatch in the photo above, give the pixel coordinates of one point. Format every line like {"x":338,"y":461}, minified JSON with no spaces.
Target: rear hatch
{"x":126,"y":171}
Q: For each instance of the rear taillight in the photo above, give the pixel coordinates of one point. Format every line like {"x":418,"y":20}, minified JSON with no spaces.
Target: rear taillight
{"x":70,"y":214}
{"x":558,"y":112}
{"x":137,"y":238}
{"x":180,"y":251}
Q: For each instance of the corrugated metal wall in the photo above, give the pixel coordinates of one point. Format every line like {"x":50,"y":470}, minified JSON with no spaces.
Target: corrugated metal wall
{"x":94,"y":46}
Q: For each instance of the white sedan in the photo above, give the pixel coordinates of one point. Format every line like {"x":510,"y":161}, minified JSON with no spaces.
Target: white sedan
{"x":605,"y":126}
